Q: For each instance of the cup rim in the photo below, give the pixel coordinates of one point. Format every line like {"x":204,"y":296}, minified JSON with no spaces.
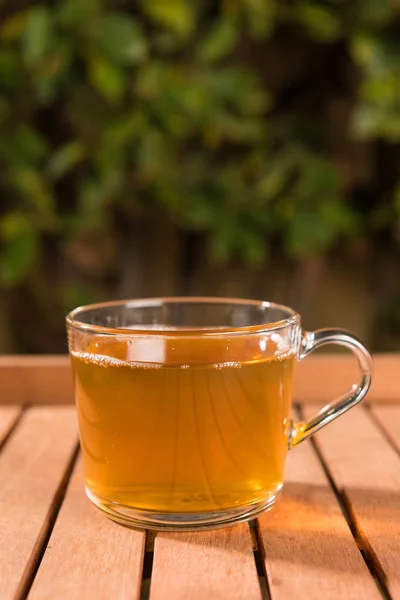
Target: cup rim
{"x":72,"y":318}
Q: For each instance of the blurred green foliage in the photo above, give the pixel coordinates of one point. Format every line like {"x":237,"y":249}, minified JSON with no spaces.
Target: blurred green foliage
{"x":120,"y":108}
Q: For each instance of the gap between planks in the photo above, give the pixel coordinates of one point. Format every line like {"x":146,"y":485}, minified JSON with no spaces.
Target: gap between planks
{"x":366,"y":552}
{"x":215,"y":564}
{"x":387,"y":418}
{"x":34,"y":466}
{"x":365,"y":470}
{"x":89,"y":556}
{"x":43,"y":539}
{"x":259,"y":564}
{"x":297,"y":450}
{"x":309,"y":550}
{"x":9,"y":419}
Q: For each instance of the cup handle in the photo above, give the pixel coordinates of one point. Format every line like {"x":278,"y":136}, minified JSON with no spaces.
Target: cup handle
{"x":311,"y":340}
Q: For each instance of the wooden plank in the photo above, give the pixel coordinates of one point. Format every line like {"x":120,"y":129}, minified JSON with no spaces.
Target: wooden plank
{"x":319,"y":378}
{"x":366,"y":470}
{"x":309,"y":550}
{"x":196,"y":565}
{"x":35,"y":380}
{"x":8,"y":417}
{"x":32,"y":468}
{"x":89,"y":556}
{"x":389,"y":419}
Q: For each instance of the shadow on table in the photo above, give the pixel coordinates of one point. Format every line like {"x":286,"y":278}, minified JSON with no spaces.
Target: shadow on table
{"x":309,"y":526}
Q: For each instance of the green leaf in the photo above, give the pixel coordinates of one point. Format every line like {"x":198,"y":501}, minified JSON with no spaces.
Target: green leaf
{"x":121,"y":39}
{"x":77,"y":12}
{"x":94,"y":196}
{"x":363,"y":48}
{"x":153,"y":153}
{"x":37,"y":34}
{"x":340,"y":217}
{"x":253,"y":248}
{"x":318,"y":177}
{"x":27,"y":145}
{"x":177,"y":15}
{"x":222,"y":244}
{"x":274,"y":180}
{"x":53,"y":73}
{"x":307,"y":234}
{"x":366,"y":122}
{"x":78,"y":294}
{"x":12,"y":224}
{"x":235,"y":129}
{"x":260,"y":16}
{"x":232,"y":238}
{"x":36,"y":192}
{"x":321,"y":23}
{"x":314,"y":229}
{"x":108,"y":79}
{"x":24,"y":147}
{"x":199,"y":212}
{"x":218,"y":42}
{"x":377,"y":13}
{"x":150,"y":80}
{"x":238,"y":87}
{"x":11,"y":73}
{"x":93,"y":199}
{"x":65,"y":158}
{"x":20,"y":249}
{"x":382,"y":91}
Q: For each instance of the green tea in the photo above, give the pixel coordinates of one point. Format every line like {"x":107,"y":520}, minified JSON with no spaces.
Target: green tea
{"x":183,"y":435}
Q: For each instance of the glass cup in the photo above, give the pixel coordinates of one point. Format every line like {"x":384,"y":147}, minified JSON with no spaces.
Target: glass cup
{"x":184,"y":405}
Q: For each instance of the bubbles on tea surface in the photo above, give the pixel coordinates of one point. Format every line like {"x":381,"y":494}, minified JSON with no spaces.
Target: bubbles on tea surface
{"x":109,"y":361}
{"x":139,"y":365}
{"x":185,"y":366}
{"x":284,"y":355}
{"x":98,"y":359}
{"x":152,"y":327}
{"x":227,"y":365}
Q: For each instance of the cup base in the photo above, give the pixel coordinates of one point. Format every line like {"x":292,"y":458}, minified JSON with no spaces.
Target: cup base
{"x":146,"y":519}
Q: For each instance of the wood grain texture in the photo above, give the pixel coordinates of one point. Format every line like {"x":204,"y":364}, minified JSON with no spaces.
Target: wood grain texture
{"x":319,"y":379}
{"x":215,"y":565}
{"x":309,"y":550}
{"x":89,"y":556}
{"x":8,"y":417}
{"x":366,"y":470}
{"x":32,"y":468}
{"x":35,"y":380}
{"x":389,"y":419}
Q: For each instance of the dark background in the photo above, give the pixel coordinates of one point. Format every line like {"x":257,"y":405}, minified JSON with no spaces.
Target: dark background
{"x":243,"y":148}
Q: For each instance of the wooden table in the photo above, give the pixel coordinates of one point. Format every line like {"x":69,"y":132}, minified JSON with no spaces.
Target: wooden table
{"x":335,"y":534}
